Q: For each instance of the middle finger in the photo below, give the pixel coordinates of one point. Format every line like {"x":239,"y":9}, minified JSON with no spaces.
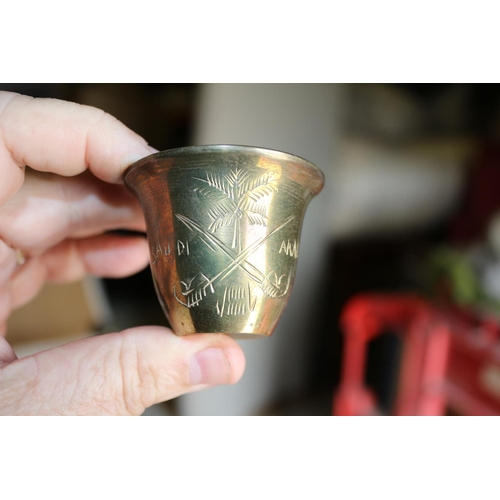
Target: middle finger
{"x":49,"y":209}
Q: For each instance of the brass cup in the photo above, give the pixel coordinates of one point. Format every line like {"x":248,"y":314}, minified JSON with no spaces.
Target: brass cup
{"x":223,"y":225}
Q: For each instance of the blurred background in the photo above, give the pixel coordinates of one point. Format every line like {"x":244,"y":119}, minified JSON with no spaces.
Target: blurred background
{"x":397,"y":296}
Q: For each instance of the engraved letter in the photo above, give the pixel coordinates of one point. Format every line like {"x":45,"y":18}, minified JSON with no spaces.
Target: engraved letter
{"x":290,"y":248}
{"x":182,"y":247}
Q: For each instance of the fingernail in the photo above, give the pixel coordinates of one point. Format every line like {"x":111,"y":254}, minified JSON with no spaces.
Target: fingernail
{"x":210,"y":367}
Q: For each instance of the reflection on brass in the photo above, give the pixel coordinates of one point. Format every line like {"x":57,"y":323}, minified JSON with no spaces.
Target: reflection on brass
{"x":223,"y":225}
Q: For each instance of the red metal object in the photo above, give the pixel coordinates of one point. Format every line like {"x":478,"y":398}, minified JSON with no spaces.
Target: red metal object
{"x":451,"y":359}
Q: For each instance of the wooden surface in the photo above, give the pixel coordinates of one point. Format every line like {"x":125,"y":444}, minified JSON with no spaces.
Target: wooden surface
{"x":59,"y":311}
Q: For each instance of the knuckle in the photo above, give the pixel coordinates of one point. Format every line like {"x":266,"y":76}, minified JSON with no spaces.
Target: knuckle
{"x":138,"y":377}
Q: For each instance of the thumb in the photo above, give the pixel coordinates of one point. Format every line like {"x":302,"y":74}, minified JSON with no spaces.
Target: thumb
{"x":118,"y":374}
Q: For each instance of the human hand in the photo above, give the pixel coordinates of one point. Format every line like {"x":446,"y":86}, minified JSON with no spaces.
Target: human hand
{"x":56,"y":213}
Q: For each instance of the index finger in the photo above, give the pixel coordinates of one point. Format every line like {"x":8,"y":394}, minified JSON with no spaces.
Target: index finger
{"x":64,"y":138}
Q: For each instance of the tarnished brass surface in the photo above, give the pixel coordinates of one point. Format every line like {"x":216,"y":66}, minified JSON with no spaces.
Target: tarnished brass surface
{"x":223,"y":225}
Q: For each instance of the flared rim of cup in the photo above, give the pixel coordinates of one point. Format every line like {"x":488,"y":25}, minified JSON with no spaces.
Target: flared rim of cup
{"x":277,"y":155}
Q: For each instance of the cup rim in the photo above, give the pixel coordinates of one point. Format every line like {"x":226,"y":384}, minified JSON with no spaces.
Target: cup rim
{"x":210,"y":148}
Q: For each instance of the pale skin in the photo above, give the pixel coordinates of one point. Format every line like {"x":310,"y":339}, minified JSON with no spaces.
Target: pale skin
{"x":56,"y":212}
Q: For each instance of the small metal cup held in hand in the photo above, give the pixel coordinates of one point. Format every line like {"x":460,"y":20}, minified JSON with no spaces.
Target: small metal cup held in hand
{"x":223,"y":225}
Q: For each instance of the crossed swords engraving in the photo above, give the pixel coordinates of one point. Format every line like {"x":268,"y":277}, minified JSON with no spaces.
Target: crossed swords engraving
{"x":237,"y":261}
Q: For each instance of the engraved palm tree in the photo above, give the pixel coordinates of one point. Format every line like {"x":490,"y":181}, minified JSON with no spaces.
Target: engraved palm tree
{"x":237,"y":195}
